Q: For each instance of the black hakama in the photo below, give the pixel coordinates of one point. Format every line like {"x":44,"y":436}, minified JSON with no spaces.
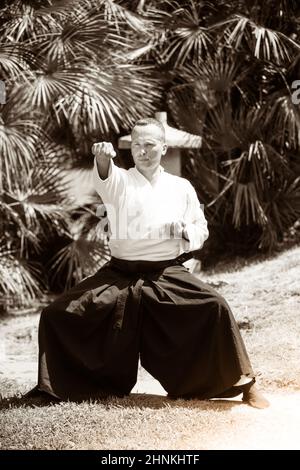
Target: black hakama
{"x":91,"y":338}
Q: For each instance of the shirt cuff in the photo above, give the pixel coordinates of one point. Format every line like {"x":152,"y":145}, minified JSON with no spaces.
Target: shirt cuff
{"x":196,"y":237}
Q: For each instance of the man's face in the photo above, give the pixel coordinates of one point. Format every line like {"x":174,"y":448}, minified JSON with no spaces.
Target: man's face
{"x":147,"y":147}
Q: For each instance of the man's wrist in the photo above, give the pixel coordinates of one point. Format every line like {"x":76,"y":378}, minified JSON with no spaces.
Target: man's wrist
{"x":103,"y":157}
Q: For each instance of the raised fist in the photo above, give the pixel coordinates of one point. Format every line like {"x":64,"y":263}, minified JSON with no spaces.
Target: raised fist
{"x":103,"y":149}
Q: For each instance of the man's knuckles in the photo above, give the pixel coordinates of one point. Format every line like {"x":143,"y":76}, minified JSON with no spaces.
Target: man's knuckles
{"x":103,"y":148}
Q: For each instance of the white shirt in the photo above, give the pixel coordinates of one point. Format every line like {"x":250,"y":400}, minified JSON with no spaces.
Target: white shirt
{"x":139,"y":211}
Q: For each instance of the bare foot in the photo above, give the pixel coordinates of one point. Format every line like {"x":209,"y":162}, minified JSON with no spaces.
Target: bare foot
{"x":255,"y":398}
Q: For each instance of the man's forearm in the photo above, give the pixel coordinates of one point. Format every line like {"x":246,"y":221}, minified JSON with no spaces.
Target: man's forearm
{"x":103,"y":166}
{"x":196,"y":234}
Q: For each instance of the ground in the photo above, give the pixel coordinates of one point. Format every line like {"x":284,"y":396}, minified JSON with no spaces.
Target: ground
{"x":265,"y":298}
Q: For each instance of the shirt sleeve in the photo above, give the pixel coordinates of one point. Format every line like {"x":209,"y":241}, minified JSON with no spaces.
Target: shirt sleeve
{"x":196,"y":224}
{"x":113,"y":187}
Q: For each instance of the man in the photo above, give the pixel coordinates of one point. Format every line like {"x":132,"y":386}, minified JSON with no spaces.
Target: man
{"x":144,"y":302}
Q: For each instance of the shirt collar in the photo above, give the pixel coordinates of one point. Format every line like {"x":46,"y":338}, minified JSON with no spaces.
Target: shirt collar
{"x":139,"y":174}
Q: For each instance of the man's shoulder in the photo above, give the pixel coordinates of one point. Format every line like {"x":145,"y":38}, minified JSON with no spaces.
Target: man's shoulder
{"x":122,"y":171}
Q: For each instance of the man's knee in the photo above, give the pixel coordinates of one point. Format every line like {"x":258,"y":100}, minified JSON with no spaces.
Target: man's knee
{"x":221,"y":308}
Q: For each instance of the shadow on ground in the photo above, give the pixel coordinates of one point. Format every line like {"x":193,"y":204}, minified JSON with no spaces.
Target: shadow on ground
{"x":135,"y":400}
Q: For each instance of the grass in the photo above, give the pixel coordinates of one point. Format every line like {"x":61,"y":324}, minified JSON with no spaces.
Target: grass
{"x":265,"y":298}
{"x":148,"y":422}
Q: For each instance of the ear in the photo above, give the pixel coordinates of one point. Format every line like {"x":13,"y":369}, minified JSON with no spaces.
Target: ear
{"x":164,"y":149}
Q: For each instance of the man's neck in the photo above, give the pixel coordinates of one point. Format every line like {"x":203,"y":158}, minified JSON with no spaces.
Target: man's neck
{"x":151,"y":175}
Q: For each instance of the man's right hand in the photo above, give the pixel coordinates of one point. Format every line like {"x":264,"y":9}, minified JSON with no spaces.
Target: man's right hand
{"x":103,"y":150}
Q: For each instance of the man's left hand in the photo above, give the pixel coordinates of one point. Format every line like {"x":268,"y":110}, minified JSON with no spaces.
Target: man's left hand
{"x":178,"y":230}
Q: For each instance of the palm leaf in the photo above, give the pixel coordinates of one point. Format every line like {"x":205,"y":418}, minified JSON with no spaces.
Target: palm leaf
{"x":247,"y":207}
{"x":15,"y":61}
{"x":18,"y":279}
{"x":58,"y":155}
{"x":80,"y":258}
{"x":21,"y":20}
{"x":87,"y":35}
{"x":106,"y":92}
{"x":187,"y":110}
{"x":283,"y":211}
{"x":17,"y":234}
{"x":187,"y":43}
{"x":220,"y":71}
{"x":36,"y":206}
{"x":264,"y":42}
{"x":252,"y":175}
{"x":189,"y":36}
{"x":113,"y":13}
{"x":19,"y":144}
{"x":253,"y":168}
{"x":83,"y":255}
{"x":120,"y":15}
{"x":53,"y":82}
{"x":283,"y":114}
{"x":218,"y":130}
{"x":283,"y":206}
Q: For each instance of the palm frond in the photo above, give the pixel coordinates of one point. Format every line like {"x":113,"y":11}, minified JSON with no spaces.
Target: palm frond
{"x":265,"y":43}
{"x":88,"y":35}
{"x":247,"y":205}
{"x":17,"y":234}
{"x":104,"y":96}
{"x":283,"y":206}
{"x":186,"y":13}
{"x":15,"y":61}
{"x":220,"y":71}
{"x":21,"y":20}
{"x":36,"y":206}
{"x":218,"y":129}
{"x":18,"y":279}
{"x":113,"y":12}
{"x":83,"y":255}
{"x":189,"y":36}
{"x":19,"y":144}
{"x":58,"y":155}
{"x":53,"y":82}
{"x":187,"y":110}
{"x":283,"y":115}
{"x":253,"y":168}
{"x":119,"y":15}
{"x":252,"y":175}
{"x":77,"y":260}
{"x":207,"y":82}
{"x":136,"y":53}
{"x":283,"y":211}
{"x":187,"y":43}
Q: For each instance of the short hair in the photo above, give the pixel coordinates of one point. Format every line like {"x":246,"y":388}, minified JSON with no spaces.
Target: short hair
{"x":153,"y":122}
